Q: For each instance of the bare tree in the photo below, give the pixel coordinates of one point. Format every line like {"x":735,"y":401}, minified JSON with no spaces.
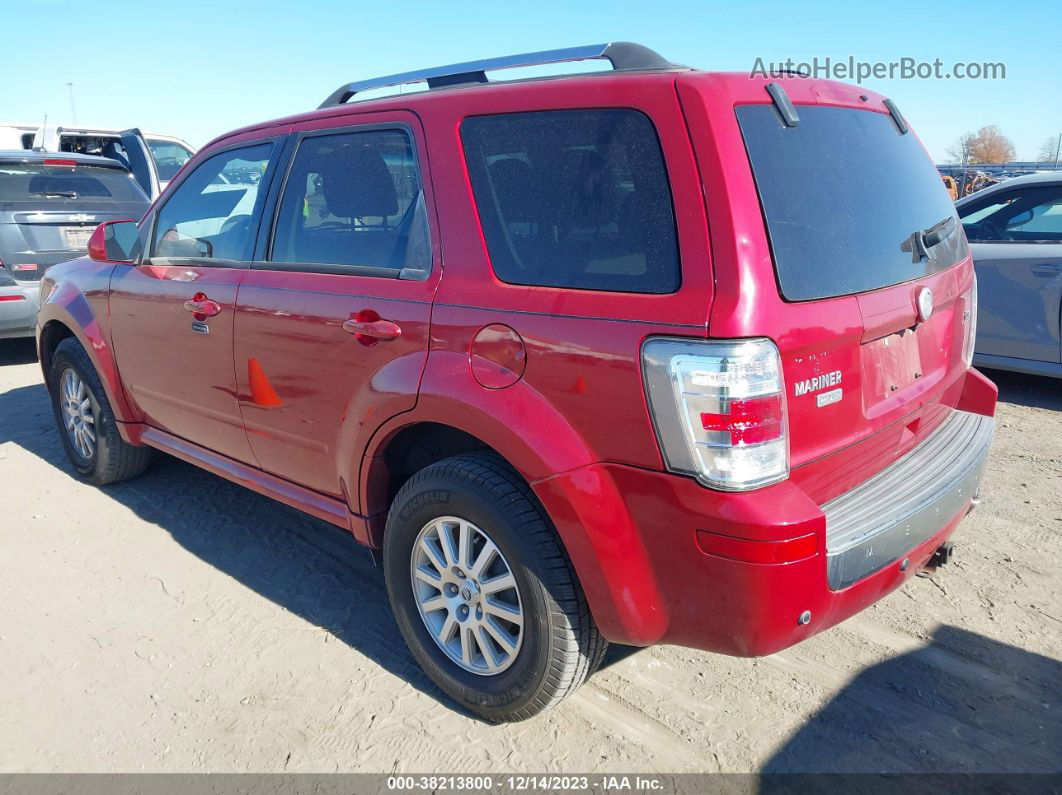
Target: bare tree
{"x":960,"y":150}
{"x":1049,"y":150}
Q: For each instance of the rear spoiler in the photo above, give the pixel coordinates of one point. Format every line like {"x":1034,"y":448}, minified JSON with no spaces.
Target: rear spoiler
{"x":60,"y":158}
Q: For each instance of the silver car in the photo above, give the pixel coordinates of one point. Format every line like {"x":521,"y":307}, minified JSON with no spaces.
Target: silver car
{"x":1015,"y":231}
{"x":49,"y":205}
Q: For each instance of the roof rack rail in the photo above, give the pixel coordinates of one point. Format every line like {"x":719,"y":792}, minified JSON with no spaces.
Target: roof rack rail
{"x":622,"y":55}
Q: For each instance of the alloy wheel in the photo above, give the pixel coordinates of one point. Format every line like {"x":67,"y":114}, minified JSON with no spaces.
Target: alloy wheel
{"x":78,"y":418}
{"x":467,"y":595}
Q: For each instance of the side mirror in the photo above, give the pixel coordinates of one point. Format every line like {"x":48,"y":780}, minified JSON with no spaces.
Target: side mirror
{"x":115,"y":241}
{"x":1021,"y":219}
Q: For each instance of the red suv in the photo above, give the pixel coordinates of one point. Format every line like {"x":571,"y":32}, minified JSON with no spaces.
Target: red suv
{"x":649,"y":355}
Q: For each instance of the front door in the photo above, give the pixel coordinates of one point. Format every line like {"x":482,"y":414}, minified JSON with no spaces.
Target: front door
{"x":172,"y":314}
{"x":140,"y":161}
{"x":332,"y":320}
{"x":1017,"y":248}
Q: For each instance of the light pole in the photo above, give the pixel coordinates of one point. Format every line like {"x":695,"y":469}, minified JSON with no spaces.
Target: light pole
{"x":73,"y":113}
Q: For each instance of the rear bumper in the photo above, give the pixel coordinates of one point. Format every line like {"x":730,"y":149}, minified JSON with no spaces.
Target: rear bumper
{"x":17,"y":317}
{"x":904,"y":505}
{"x":636,"y":539}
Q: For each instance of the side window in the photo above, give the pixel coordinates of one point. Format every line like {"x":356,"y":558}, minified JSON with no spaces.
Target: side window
{"x":1023,"y":215}
{"x":169,"y":157}
{"x":576,"y":199}
{"x":211,"y":214}
{"x":353,"y":199}
{"x":1042,"y":222}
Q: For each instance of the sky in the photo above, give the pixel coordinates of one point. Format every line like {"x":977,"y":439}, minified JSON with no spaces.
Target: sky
{"x":197,"y":69}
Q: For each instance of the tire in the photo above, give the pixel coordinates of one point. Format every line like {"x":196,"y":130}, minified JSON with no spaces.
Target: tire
{"x":558,"y":646}
{"x":109,"y":459}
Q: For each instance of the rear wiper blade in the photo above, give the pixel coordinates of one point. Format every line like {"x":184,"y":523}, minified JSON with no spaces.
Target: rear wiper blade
{"x":921,"y":241}
{"x":66,"y":194}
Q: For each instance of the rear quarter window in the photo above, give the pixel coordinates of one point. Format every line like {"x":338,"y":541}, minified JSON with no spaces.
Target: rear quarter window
{"x":841,"y":193}
{"x":576,"y":198}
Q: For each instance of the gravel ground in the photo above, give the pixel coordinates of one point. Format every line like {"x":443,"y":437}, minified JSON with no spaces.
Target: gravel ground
{"x":178,"y":622}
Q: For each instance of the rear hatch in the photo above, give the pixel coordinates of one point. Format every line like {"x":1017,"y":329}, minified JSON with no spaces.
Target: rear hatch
{"x":49,"y":208}
{"x":855,"y":232}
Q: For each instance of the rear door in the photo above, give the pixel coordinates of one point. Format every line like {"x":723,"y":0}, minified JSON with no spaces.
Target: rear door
{"x":332,"y":323}
{"x":1017,"y":246}
{"x":172,"y":314}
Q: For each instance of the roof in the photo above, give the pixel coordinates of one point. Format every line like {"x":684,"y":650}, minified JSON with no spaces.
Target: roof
{"x":30,"y":156}
{"x":628,"y":60}
{"x":1039,"y":178}
{"x":413,"y":99}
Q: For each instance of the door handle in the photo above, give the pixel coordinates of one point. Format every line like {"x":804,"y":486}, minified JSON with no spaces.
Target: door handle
{"x":203,"y":306}
{"x":1046,"y":269}
{"x":370,"y":330}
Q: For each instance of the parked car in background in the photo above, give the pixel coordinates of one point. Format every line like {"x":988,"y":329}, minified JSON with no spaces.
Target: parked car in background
{"x":496,"y":331}
{"x":1015,"y":231}
{"x":49,"y":206}
{"x":168,"y":153}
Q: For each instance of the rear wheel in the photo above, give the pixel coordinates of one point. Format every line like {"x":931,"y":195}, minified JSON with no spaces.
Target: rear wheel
{"x":86,"y":423}
{"x":483,"y":591}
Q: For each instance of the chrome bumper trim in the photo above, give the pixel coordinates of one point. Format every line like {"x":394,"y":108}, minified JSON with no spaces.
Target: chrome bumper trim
{"x":905,"y":504}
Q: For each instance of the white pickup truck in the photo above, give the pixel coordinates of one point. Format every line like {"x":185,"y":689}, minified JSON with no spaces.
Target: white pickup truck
{"x":168,"y":152}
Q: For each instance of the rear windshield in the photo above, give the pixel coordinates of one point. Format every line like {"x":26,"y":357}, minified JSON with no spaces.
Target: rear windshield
{"x":21,"y":182}
{"x":842,"y":193}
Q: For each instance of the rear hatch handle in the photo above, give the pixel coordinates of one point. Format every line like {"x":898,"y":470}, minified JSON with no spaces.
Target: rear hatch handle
{"x":922,"y":240}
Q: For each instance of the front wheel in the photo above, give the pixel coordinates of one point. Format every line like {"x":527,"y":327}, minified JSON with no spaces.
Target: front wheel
{"x":85,"y":421}
{"x":483,"y":591}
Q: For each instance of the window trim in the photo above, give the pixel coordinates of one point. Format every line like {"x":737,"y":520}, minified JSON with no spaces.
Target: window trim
{"x":256,"y":216}
{"x":268,"y":230}
{"x":994,"y":198}
{"x":580,"y":109}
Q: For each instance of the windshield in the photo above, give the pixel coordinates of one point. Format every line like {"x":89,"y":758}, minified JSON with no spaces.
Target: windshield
{"x":21,"y":182}
{"x":843,"y":192}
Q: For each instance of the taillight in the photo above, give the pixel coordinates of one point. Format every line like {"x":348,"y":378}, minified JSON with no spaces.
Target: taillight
{"x":970,"y":317}
{"x":719,"y":409}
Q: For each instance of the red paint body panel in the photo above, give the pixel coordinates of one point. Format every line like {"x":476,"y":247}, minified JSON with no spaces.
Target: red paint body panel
{"x":469,"y":280}
{"x":77,"y":300}
{"x":279,"y":397}
{"x":843,"y":334}
{"x":334,"y":392}
{"x":641,"y":527}
{"x":179,"y":380}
